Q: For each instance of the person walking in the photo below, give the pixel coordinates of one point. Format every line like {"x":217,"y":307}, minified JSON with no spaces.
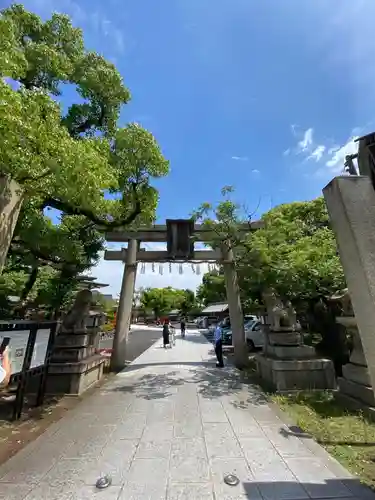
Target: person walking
{"x":219,"y":347}
{"x":183,"y":327}
{"x":166,"y":333}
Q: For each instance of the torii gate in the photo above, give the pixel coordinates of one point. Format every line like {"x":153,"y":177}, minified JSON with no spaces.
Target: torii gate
{"x":180,"y":236}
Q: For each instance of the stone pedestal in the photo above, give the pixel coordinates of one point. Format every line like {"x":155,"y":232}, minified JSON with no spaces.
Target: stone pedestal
{"x":75,"y":366}
{"x":288,"y":365}
{"x":355,"y":382}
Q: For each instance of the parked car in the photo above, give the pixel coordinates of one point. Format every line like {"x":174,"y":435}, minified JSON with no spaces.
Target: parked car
{"x":201,"y":322}
{"x":253,"y":332}
{"x":248,"y":317}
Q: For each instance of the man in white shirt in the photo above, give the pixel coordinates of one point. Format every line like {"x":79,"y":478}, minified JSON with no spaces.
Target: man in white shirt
{"x":219,"y":347}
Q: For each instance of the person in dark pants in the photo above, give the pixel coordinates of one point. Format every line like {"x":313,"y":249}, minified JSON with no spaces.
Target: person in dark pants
{"x":166,"y":333}
{"x":183,"y":327}
{"x":219,"y":347}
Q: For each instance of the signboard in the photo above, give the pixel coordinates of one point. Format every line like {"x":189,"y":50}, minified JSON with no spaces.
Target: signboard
{"x":17,"y":347}
{"x":180,"y":243}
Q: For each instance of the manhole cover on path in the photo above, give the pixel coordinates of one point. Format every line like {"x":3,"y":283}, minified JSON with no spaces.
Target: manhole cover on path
{"x":103,"y":482}
{"x":231,"y":480}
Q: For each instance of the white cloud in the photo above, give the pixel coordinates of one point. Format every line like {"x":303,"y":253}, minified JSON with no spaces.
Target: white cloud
{"x":327,"y":155}
{"x":333,"y":149}
{"x":337,"y":159}
{"x":317,"y":153}
{"x":240,"y":158}
{"x":306,"y":142}
{"x":306,"y":145}
{"x":255,"y":171}
{"x":294,"y":129}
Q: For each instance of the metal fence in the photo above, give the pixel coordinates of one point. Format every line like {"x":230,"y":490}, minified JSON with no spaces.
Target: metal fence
{"x":30,"y":347}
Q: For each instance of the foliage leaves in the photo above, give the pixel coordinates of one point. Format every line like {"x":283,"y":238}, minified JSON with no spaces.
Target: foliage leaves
{"x":71,"y":162}
{"x":163,"y":300}
{"x":294,"y":252}
{"x":76,"y":160}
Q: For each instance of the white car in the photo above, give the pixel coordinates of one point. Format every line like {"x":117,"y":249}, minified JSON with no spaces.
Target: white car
{"x":254,"y":335}
{"x":253,"y":332}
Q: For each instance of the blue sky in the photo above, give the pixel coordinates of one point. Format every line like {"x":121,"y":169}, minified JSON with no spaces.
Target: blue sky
{"x":266,"y":95}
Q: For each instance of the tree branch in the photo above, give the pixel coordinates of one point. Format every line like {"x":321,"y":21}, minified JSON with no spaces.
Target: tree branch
{"x":68,"y":209}
{"x":37,"y":178}
{"x":23,"y":252}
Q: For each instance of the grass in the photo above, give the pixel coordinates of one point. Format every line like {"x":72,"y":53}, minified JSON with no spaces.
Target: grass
{"x":347,"y":435}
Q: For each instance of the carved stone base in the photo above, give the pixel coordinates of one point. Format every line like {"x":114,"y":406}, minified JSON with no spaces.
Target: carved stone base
{"x":289,"y":352}
{"x":61,"y":355}
{"x":284,"y":338}
{"x":74,"y":378}
{"x":292,"y":375}
{"x":75,"y":366}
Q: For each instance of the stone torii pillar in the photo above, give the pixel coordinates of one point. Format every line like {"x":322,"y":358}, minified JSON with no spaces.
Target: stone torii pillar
{"x":124,"y":311}
{"x":235,"y":307}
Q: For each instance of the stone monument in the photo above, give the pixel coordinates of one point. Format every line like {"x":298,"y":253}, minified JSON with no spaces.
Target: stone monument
{"x":286,"y":363}
{"x":75,"y":364}
{"x":355,"y":384}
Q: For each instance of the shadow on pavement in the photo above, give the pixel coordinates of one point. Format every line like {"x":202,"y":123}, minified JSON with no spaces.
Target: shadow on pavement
{"x":211,"y":383}
{"x":338,"y":489}
{"x":196,"y":339}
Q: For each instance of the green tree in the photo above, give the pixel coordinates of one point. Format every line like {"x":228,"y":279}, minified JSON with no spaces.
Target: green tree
{"x":226,"y":222}
{"x":295,"y":253}
{"x":188,"y":303}
{"x":155,"y":300}
{"x":78,"y":163}
{"x":212,"y":289}
{"x":72,"y":245}
{"x":163,"y":300}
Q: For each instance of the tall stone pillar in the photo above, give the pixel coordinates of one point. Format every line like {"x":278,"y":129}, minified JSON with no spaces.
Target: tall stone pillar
{"x":241,"y":356}
{"x":124,"y":311}
{"x":351,"y":205}
{"x":11,"y":200}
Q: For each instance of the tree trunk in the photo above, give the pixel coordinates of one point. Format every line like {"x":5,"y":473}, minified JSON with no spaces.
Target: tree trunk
{"x":11,"y":199}
{"x":20,"y":310}
{"x":30,"y":283}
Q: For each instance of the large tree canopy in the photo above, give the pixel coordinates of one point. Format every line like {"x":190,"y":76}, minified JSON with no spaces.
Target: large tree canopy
{"x":74,"y":160}
{"x":163,"y":300}
{"x":71,"y":162}
{"x":295,"y":252}
{"x":212,"y":288}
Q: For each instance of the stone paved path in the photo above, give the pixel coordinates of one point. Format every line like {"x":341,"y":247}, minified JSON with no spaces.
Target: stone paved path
{"x":171,"y":427}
